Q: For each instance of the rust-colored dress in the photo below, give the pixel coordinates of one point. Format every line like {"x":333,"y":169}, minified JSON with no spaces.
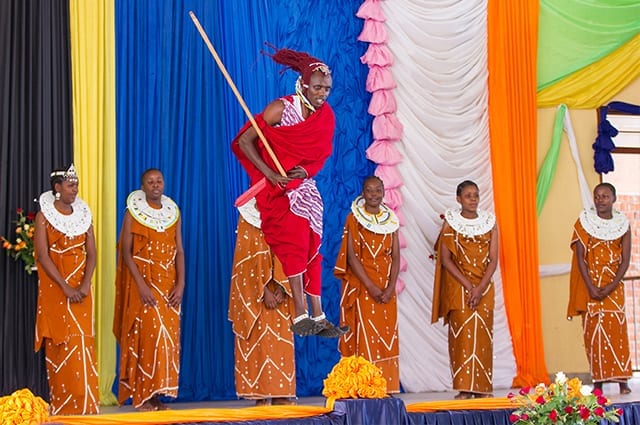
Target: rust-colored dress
{"x":149,"y":337}
{"x":264,"y":349}
{"x":604,"y":322}
{"x":374,"y":326}
{"x":470,"y":331}
{"x":64,"y":328}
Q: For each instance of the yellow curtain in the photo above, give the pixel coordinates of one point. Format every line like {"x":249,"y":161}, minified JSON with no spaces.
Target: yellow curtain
{"x":596,"y":84}
{"x":512,"y":50}
{"x":93,"y":73}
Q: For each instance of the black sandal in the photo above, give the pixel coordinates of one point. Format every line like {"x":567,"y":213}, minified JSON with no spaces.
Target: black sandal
{"x":306,"y":327}
{"x":329,"y":330}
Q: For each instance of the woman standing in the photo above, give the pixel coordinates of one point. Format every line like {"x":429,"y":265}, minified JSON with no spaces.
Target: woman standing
{"x":368,"y":264}
{"x":149,"y":288}
{"x":463,"y":294}
{"x":260,"y":310}
{"x":66,"y":257}
{"x":601,"y":245}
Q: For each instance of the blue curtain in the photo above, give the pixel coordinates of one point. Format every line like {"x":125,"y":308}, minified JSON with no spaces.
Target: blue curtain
{"x":176,"y":112}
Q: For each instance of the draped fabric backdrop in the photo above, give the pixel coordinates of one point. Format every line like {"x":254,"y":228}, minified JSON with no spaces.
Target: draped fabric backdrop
{"x":512,"y":109}
{"x":35,"y":137}
{"x":146,"y":93}
{"x":92,"y":54}
{"x":175,"y":112}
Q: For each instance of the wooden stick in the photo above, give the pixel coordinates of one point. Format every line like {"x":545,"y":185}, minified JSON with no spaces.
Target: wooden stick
{"x":223,"y":69}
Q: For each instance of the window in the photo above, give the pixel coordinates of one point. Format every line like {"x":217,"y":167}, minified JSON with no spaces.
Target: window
{"x":626,"y":178}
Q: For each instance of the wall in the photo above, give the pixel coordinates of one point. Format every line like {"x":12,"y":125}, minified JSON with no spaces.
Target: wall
{"x":564,"y":350}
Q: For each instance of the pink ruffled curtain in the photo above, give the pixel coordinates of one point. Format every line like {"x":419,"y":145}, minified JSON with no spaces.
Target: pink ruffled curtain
{"x":387,"y":130}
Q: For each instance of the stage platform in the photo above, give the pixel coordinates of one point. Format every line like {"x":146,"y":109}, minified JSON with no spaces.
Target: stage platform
{"x":403,"y":409}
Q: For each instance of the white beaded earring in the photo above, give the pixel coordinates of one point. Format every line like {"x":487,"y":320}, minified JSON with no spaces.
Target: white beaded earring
{"x":57,"y":196}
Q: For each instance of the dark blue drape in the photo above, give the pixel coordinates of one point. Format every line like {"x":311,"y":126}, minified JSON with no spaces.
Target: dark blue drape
{"x":602,"y":147}
{"x":176,"y":112}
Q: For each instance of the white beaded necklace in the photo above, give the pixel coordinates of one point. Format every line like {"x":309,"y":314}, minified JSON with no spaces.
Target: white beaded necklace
{"x":605,"y":229}
{"x":74,"y":224}
{"x":153,"y":218}
{"x":384,"y":222}
{"x":483,"y":223}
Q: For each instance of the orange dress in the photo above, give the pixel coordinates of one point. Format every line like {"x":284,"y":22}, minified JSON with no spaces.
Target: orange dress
{"x":604,"y":322}
{"x":264,"y":350}
{"x":470,"y":331}
{"x":374,"y":326}
{"x":66,"y":329}
{"x":149,"y":337}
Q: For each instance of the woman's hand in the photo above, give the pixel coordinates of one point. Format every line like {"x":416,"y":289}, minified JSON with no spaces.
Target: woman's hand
{"x":85,"y":287}
{"x":475,"y":295}
{"x":72,"y":294}
{"x":175,"y":297}
{"x":387,"y":294}
{"x":269,"y":299}
{"x":375,"y":292}
{"x":146,"y":295}
{"x":594,"y":292}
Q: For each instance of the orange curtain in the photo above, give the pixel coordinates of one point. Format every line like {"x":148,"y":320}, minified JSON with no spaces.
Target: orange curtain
{"x":512,"y":50}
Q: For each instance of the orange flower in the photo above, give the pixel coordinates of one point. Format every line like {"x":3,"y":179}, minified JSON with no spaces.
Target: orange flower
{"x":22,"y":407}
{"x":573,"y":387}
{"x":354,"y":377}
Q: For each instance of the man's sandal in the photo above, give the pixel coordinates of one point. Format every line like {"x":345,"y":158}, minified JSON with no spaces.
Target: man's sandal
{"x":303,"y":325}
{"x":328,"y":329}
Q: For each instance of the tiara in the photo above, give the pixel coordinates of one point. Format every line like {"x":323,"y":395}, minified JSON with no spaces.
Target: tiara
{"x":70,"y":174}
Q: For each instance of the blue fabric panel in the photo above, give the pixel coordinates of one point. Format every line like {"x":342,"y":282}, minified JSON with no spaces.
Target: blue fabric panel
{"x":175,"y":111}
{"x":461,"y":417}
{"x":366,"y":411}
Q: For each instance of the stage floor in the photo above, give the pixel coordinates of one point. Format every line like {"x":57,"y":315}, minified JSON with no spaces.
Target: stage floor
{"x":610,"y":390}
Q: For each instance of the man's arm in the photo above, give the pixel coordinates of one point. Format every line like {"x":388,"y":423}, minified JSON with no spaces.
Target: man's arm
{"x":247,"y":143}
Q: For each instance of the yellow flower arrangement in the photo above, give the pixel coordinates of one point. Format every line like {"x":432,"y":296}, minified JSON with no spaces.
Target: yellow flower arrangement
{"x":23,"y":408}
{"x":23,"y":246}
{"x":354,"y":377}
{"x":565,"y":401}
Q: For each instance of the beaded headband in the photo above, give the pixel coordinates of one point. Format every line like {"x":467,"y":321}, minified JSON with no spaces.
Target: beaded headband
{"x":69,"y":175}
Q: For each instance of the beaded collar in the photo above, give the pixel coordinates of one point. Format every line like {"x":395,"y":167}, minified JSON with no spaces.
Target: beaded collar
{"x":604,"y":229}
{"x":383,"y":223}
{"x":470,"y":227}
{"x":145,"y":214}
{"x":250,"y":213}
{"x":74,"y":224}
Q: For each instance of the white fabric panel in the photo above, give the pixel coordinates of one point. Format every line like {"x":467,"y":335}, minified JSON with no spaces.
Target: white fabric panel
{"x":440,"y":67}
{"x":548,"y":270}
{"x":585,"y":192}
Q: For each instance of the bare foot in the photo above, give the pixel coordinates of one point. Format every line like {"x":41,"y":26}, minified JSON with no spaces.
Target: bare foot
{"x":155,"y":401}
{"x":263,"y":402}
{"x":147,"y":406}
{"x":478,"y":395}
{"x":624,"y":388}
{"x":463,"y":395}
{"x":284,"y":401}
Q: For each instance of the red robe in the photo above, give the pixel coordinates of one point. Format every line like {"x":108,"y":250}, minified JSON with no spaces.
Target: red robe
{"x":307,"y":144}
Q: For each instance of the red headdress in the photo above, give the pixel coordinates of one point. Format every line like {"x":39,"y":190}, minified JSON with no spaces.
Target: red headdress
{"x":301,"y":62}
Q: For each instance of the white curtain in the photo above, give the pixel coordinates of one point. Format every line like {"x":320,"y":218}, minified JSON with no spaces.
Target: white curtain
{"x":440,"y":66}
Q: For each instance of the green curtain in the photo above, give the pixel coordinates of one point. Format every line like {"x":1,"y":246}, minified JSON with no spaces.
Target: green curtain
{"x":576,"y":33}
{"x":548,"y":169}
